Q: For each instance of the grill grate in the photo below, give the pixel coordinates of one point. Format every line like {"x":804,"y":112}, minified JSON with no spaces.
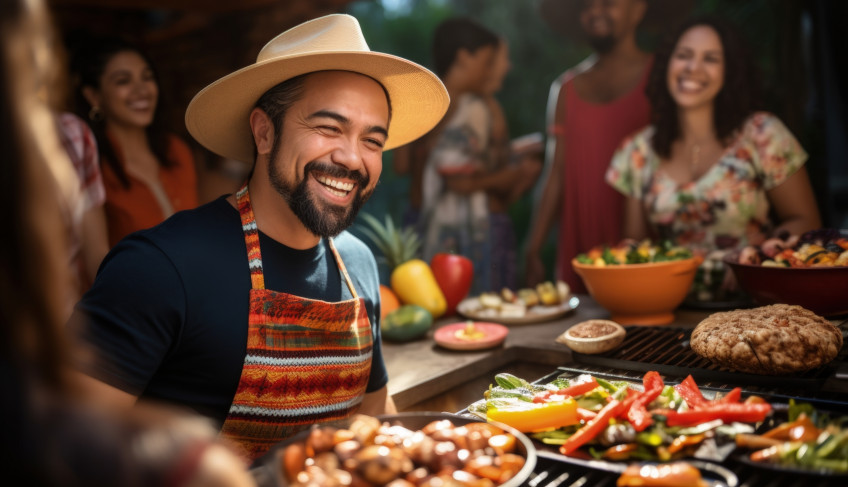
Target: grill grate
{"x":550,"y":472}
{"x":667,"y":351}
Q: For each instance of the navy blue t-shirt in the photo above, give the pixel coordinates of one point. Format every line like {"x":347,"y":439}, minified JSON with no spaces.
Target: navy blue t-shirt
{"x":167,"y":314}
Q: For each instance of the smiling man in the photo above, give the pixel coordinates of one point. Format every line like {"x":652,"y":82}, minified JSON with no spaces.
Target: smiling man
{"x":259,"y":310}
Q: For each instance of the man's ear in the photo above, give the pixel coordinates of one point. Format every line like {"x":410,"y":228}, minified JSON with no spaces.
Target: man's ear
{"x":462,"y":55}
{"x":263,"y":131}
{"x":639,"y":9}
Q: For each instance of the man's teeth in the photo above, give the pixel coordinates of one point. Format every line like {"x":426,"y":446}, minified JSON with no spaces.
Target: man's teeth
{"x":334,"y":183}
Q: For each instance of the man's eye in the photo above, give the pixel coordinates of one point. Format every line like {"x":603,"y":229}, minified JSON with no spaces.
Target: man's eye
{"x":329,"y":128}
{"x":375,"y":142}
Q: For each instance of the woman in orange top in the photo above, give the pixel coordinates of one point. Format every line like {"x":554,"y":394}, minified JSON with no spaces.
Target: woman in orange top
{"x":148,"y":174}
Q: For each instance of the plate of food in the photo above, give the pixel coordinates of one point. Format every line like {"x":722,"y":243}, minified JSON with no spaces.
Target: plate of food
{"x":471,"y":335}
{"x":546,"y":302}
{"x":366,"y":450}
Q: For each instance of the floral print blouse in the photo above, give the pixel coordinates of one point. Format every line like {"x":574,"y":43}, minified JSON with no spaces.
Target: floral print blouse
{"x":727,"y":207}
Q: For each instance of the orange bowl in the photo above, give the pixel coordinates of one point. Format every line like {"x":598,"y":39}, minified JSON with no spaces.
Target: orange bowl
{"x":640,"y":294}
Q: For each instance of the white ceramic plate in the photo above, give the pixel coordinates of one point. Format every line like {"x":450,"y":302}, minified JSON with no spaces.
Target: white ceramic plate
{"x":472,"y":309}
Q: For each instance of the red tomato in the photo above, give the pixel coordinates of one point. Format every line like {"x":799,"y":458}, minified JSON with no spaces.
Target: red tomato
{"x":454,"y":274}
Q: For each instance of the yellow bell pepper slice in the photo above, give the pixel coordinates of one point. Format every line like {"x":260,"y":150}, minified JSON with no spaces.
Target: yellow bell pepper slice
{"x":528,"y":417}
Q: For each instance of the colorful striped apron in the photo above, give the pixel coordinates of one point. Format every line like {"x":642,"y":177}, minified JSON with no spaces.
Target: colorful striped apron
{"x":307,"y":361}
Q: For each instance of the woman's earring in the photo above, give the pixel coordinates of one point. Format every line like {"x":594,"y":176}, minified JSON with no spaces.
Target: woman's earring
{"x":95,"y":115}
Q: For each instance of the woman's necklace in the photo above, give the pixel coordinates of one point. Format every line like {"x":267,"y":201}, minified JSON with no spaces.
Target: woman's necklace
{"x":696,"y":158}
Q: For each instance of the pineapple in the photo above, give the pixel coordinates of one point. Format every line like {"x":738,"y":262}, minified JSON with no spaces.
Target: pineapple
{"x":411,"y":278}
{"x":397,"y":245}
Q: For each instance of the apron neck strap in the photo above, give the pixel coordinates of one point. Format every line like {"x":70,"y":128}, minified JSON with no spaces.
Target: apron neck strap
{"x":251,"y":237}
{"x":251,"y":240}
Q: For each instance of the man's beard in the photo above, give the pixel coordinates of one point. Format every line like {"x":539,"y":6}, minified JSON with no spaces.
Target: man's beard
{"x":320,"y":218}
{"x":602,"y":44}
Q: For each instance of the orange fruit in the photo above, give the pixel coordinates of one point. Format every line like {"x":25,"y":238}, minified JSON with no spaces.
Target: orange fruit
{"x":388,"y":300}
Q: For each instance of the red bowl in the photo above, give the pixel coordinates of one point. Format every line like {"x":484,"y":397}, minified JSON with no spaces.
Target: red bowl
{"x":822,"y":290}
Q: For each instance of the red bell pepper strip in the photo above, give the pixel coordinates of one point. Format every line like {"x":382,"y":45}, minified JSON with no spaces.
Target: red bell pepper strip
{"x":639,"y":417}
{"x":735,"y":395}
{"x":585,"y":414}
{"x":637,"y":414}
{"x":690,"y":392}
{"x":592,"y":428}
{"x":727,"y":412}
{"x":579,"y":388}
{"x":573,"y":391}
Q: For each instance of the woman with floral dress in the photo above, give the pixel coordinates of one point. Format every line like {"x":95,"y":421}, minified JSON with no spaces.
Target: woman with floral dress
{"x":711,"y":172}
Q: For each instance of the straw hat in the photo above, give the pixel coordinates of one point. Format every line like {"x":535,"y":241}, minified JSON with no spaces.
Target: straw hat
{"x":563,"y":16}
{"x":218,"y":115}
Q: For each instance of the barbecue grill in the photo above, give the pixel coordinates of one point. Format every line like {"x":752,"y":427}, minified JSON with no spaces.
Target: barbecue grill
{"x":666,"y":350}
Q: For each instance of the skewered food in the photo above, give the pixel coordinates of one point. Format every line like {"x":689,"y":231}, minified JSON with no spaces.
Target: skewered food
{"x":772,"y":340}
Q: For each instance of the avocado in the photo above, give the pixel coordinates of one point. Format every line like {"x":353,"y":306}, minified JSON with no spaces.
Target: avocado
{"x":407,"y":323}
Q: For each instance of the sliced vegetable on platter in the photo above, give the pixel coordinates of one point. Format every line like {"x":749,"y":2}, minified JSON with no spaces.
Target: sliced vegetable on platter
{"x":808,"y":441}
{"x":619,"y":421}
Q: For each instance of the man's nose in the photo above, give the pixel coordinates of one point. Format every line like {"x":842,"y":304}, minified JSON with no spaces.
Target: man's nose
{"x":348,"y":153}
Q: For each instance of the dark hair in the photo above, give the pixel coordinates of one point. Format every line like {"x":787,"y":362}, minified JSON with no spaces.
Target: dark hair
{"x":455,"y":34}
{"x":32,"y":350}
{"x":739,"y":96}
{"x":88,"y":61}
{"x":276,"y":101}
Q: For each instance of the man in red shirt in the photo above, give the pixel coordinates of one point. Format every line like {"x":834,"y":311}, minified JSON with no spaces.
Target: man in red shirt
{"x":591,"y":108}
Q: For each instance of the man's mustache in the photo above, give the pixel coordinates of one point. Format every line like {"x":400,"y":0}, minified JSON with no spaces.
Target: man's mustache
{"x":336,"y":171}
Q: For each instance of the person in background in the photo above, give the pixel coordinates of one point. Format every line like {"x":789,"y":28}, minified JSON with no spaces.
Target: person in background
{"x":509,"y":170}
{"x":711,"y":168}
{"x":148,"y":173}
{"x":87,"y":234}
{"x":463,"y":55}
{"x":259,"y":310}
{"x":52,"y":435}
{"x":591,"y":108}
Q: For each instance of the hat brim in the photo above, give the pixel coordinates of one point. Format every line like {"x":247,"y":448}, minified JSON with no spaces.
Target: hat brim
{"x":218,"y":116}
{"x":563,"y":16}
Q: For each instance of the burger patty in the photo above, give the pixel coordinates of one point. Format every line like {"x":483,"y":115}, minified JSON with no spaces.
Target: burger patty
{"x":771,"y":340}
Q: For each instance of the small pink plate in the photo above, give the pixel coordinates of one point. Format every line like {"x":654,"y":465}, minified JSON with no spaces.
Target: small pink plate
{"x":493,"y":335}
